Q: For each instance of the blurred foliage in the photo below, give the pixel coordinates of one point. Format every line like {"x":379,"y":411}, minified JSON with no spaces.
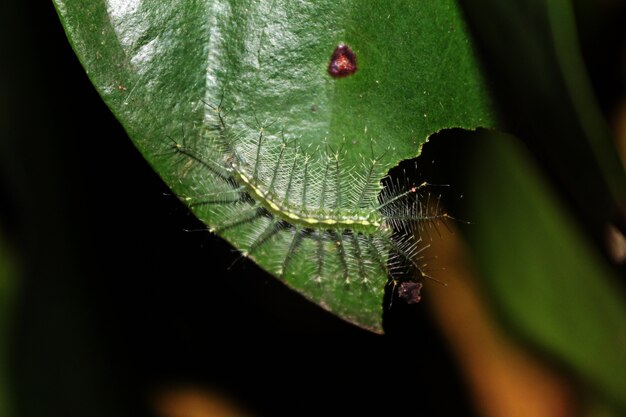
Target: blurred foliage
{"x":543,"y":276}
{"x":541,"y":247}
{"x":532,"y":58}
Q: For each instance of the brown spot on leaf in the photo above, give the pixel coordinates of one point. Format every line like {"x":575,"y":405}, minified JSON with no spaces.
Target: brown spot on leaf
{"x":342,"y":62}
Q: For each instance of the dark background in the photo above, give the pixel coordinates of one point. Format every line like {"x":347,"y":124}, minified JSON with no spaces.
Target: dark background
{"x":116,"y":301}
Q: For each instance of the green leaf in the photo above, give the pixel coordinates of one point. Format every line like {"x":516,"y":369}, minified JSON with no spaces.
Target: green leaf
{"x":541,"y":270}
{"x":543,"y":276}
{"x":163,"y":67}
{"x":532,"y":56}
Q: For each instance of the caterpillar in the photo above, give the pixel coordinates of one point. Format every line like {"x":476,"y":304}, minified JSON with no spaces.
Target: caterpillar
{"x":303,"y":216}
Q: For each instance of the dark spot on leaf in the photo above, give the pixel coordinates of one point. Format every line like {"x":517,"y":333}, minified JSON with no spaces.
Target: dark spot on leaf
{"x":342,"y":62}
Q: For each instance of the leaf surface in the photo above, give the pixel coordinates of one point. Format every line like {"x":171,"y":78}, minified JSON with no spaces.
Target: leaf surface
{"x":163,"y":67}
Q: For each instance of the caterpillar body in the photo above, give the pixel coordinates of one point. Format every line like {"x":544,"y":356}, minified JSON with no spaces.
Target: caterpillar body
{"x":303,"y":216}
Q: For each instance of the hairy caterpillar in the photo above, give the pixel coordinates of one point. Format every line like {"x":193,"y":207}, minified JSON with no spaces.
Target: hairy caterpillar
{"x":303,"y":216}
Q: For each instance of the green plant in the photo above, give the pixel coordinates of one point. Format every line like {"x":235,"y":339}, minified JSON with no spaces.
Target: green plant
{"x":164,"y":70}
